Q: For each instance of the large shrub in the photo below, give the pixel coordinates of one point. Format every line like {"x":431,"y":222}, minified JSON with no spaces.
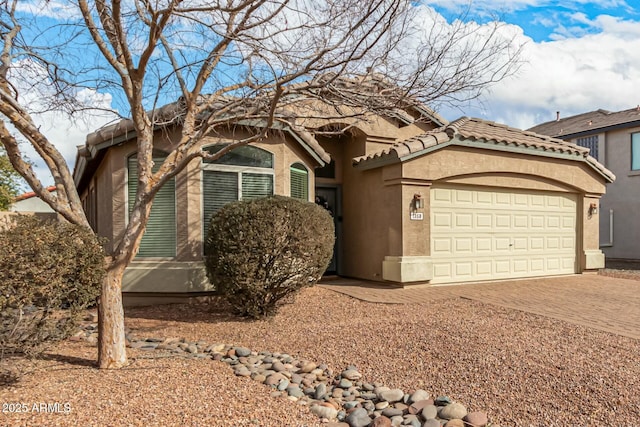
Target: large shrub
{"x":49,"y":272}
{"x":261,"y":251}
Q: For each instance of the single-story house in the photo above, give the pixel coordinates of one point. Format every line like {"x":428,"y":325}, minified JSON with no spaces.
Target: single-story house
{"x":415,"y":199}
{"x":613,"y":138}
{"x":29,"y":202}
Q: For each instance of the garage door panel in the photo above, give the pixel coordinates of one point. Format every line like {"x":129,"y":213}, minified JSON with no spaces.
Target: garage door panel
{"x":442,"y":220}
{"x":503,"y":234}
{"x":441,"y":246}
{"x":464,"y":220}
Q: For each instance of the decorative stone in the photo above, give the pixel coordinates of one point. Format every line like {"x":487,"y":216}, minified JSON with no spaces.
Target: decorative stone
{"x":358,"y":418}
{"x":442,"y":401}
{"x":455,"y":423}
{"x":432,"y":422}
{"x":345,"y":383}
{"x":295,"y":391}
{"x":274,"y":379}
{"x":419,"y":395}
{"x":429,"y":411}
{"x":416,"y":407}
{"x":476,"y":419}
{"x":412,"y":420}
{"x":321,"y":390}
{"x":394,"y":395}
{"x":381,"y":422}
{"x":328,"y":412}
{"x":453,"y":411}
{"x":392,"y":412}
{"x":278,"y":366}
{"x":382,"y":405}
{"x":397,"y":420}
{"x":351,"y":374}
{"x":349,"y":405}
{"x":283,"y":384}
{"x":306,"y":367}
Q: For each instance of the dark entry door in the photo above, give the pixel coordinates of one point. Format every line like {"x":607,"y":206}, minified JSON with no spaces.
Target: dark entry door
{"x":329,"y":198}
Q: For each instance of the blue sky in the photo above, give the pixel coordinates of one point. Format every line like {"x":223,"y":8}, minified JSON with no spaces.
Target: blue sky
{"x":580,"y":55}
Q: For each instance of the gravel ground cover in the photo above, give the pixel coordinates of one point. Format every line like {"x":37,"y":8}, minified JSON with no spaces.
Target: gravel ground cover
{"x":522,"y":369}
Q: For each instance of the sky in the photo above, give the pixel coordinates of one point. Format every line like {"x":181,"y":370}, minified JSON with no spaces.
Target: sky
{"x":579,"y":56}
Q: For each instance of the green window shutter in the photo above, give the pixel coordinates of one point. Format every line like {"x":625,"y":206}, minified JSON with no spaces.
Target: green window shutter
{"x":159,"y":239}
{"x":218,"y":189}
{"x":299,"y":182}
{"x":256,"y":185}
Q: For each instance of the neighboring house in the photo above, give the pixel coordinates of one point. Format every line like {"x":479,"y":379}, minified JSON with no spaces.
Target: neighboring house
{"x":29,"y":202}
{"x":614,"y":139}
{"x":415,"y":199}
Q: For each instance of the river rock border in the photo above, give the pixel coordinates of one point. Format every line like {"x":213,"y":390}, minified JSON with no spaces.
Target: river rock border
{"x":340,"y":400}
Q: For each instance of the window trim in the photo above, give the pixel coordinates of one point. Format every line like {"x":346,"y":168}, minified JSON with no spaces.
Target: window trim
{"x":637,"y":142}
{"x":300,"y":168}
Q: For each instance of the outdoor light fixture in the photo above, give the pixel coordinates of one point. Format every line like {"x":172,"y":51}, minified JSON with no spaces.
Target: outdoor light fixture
{"x":418,"y":203}
{"x":593,"y":208}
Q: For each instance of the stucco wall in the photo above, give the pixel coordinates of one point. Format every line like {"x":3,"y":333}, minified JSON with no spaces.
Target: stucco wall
{"x":171,"y":275}
{"x":623,"y":196}
{"x":397,"y":241}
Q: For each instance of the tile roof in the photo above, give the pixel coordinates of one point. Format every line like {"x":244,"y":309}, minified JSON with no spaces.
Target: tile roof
{"x":591,"y":122}
{"x":32,"y":194}
{"x":493,"y":134}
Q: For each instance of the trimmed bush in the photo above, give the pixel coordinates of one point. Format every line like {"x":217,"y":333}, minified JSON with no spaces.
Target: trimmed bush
{"x":50,"y":271}
{"x":259,"y":252}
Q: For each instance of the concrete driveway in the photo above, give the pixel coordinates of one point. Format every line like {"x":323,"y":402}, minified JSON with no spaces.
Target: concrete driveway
{"x":605,"y":303}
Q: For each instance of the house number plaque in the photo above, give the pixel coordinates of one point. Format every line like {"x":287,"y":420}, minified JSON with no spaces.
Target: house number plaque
{"x":416,"y":216}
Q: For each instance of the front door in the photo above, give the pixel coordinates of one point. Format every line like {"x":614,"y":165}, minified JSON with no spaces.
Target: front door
{"x":329,"y":198}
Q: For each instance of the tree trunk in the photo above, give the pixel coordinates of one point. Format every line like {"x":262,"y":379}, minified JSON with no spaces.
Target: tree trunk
{"x":112,"y":352}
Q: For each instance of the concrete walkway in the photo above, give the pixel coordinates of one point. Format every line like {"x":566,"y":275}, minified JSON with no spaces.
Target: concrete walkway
{"x":604,"y":303}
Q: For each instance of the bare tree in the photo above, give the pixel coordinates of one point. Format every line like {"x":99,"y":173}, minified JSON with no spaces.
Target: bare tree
{"x":224,"y":62}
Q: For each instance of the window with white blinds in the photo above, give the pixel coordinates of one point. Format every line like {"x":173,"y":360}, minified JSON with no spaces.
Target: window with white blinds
{"x":159,"y":239}
{"x":299,"y":181}
{"x":244,"y":173}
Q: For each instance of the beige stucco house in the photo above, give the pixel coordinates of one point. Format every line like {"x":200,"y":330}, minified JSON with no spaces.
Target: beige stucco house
{"x":415,"y":199}
{"x":614,"y":140}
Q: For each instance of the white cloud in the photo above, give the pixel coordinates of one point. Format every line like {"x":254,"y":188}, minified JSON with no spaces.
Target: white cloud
{"x":570,"y":75}
{"x":63,"y":130}
{"x":505,"y":6}
{"x":48,"y":8}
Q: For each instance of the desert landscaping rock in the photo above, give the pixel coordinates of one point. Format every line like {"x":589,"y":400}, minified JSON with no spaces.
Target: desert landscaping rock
{"x":419,"y":395}
{"x":327,"y":412}
{"x":476,"y":419}
{"x":431,"y":422}
{"x":391,"y":396}
{"x":429,"y":411}
{"x":358,"y":418}
{"x":343,"y":400}
{"x":453,"y":411}
{"x":381,"y":421}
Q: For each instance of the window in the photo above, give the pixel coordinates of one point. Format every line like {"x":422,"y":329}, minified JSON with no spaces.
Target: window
{"x":244,"y":173}
{"x":299,"y":181}
{"x":590,"y":142}
{"x":159,"y":239}
{"x":635,"y":151}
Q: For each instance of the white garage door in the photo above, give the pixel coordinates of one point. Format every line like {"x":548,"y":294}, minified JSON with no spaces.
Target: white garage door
{"x":486,"y":234}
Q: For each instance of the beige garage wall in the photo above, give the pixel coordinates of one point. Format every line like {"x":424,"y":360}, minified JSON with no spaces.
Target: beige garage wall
{"x":491,"y":169}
